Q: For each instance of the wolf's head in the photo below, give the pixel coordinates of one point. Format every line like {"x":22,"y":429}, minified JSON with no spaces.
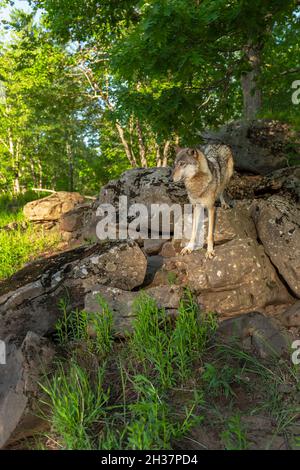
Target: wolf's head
{"x":188,"y":163}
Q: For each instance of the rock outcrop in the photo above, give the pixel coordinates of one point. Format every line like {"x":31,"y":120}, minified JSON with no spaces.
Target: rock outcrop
{"x":259,"y":146}
{"x":121,"y":303}
{"x":278,"y":227}
{"x":144,"y":186}
{"x":240,"y":278}
{"x":256,"y":333}
{"x":30,"y":302}
{"x":255,"y":274}
{"x":19,"y":387}
{"x":51,"y":208}
{"x":29,"y":310}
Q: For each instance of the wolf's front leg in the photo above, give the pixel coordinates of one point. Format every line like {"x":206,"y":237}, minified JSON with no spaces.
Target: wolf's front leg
{"x":210,"y":238}
{"x":192,"y":243}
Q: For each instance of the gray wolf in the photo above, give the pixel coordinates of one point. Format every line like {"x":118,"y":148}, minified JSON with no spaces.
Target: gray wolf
{"x":206,"y":171}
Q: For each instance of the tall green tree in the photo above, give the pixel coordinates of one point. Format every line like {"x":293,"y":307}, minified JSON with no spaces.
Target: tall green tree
{"x":46,"y":126}
{"x":182,"y":65}
{"x":95,"y":27}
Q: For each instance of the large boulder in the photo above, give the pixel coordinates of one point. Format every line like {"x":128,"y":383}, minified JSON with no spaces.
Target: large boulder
{"x":140,"y":186}
{"x":121,"y":303}
{"x":155,"y":186}
{"x":51,"y":208}
{"x":255,"y":332}
{"x":232,"y":223}
{"x":239,"y":279}
{"x":258,"y":146}
{"x":278,"y":226}
{"x":229,"y":224}
{"x":284,"y":182}
{"x":19,"y":387}
{"x":74,"y":220}
{"x":145,"y":186}
{"x":29,"y":302}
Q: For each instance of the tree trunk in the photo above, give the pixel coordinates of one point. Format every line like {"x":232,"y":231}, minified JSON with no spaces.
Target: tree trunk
{"x":40,"y":173}
{"x":71,"y":166}
{"x":166,"y":153}
{"x":142,"y":146}
{"x":158,"y":156}
{"x":126,"y":146}
{"x":252,"y":96}
{"x":33,"y":173}
{"x":15,"y":164}
{"x":16,"y":183}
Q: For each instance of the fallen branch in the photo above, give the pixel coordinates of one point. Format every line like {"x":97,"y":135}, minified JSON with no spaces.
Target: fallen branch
{"x":52,"y":191}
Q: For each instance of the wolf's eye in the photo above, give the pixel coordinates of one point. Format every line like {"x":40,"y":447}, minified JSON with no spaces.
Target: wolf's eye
{"x":180,"y":163}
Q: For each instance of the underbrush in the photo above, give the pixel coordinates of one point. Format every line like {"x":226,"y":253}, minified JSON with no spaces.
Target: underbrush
{"x":11,"y":206}
{"x":164,"y":384}
{"x":21,"y":245}
{"x":118,"y":396}
{"x":23,"y":242}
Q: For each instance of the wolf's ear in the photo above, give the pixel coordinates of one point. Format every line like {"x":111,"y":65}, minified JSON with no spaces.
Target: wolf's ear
{"x":178,"y":149}
{"x":192,"y":152}
{"x":200,"y":156}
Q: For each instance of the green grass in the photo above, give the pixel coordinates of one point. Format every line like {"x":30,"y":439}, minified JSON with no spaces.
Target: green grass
{"x":11,"y":207}
{"x":234,"y":367}
{"x":133,"y":411}
{"x":76,"y":403}
{"x":23,"y":243}
{"x":167,"y":379}
{"x":171,"y":351}
{"x":152,"y":425}
{"x":218,"y":381}
{"x":191,"y":335}
{"x":20,"y":246}
{"x":96,"y":330}
{"x":234,"y":437}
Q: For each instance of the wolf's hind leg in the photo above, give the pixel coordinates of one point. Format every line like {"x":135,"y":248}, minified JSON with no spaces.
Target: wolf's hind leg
{"x":224,"y":204}
{"x":210,"y":239}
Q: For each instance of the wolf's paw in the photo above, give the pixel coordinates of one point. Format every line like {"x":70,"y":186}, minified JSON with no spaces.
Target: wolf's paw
{"x":224,"y":205}
{"x":187,"y":249}
{"x":210,"y":254}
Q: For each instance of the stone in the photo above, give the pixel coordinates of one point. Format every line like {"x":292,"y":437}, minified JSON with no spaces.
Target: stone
{"x":145,"y":186}
{"x":30,"y":301}
{"x":171,"y":248}
{"x":277,"y":222}
{"x":291,"y":317}
{"x":232,"y":223}
{"x":284,"y":182}
{"x":51,"y":208}
{"x":153,"y":247}
{"x":238,"y":279}
{"x":19,"y":387}
{"x":229,"y":224}
{"x":259,"y":146}
{"x":142,"y":186}
{"x":121,"y":303}
{"x":74,"y":220}
{"x":266,"y":340}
